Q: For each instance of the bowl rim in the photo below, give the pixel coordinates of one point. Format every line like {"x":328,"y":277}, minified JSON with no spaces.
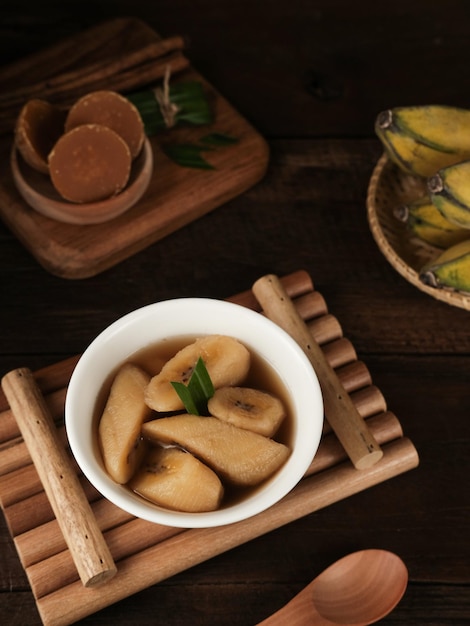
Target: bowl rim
{"x":306,"y":434}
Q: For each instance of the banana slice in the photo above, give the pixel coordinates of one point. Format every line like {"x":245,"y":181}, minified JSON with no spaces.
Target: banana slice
{"x":120,"y":425}
{"x":226,"y":359}
{"x":175,"y":479}
{"x":252,"y":409}
{"x":236,"y":455}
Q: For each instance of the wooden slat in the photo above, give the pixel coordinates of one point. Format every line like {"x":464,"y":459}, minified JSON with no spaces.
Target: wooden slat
{"x":30,"y":512}
{"x":187,"y":549}
{"x":56,"y":568}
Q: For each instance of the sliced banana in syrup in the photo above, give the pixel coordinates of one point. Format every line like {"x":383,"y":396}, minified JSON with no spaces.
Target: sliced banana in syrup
{"x":175,"y":479}
{"x":237,"y":455}
{"x":248,"y":408}
{"x":226,"y":359}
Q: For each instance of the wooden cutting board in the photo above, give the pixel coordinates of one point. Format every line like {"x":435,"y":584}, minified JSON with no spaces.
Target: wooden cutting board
{"x":176,"y":196}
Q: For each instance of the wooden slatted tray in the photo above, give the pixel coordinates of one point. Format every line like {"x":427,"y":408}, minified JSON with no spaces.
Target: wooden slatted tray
{"x":134,"y":544}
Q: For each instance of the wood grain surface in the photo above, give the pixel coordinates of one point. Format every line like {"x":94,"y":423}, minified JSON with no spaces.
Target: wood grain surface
{"x":310,"y":78}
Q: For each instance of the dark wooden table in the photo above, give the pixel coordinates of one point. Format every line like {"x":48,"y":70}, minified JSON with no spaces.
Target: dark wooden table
{"x":311,"y":77}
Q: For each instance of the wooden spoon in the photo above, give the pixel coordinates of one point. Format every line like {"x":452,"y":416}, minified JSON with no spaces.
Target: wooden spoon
{"x":357,"y":590}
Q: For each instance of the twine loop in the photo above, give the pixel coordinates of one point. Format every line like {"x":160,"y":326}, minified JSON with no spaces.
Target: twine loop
{"x":168,"y":109}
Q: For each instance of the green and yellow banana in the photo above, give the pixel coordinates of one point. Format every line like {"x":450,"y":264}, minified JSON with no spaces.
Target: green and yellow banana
{"x":428,"y":224}
{"x":449,"y":190}
{"x":421,"y":140}
{"x":451,"y":269}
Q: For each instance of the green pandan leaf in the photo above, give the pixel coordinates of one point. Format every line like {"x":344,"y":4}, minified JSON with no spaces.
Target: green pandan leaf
{"x":187,"y":155}
{"x":188,"y":96}
{"x":186,"y":398}
{"x":218,"y":139}
{"x":192,"y":103}
{"x":196,"y":394}
{"x":201,"y":380}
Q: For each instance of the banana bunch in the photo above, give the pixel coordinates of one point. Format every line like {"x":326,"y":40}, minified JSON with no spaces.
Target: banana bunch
{"x":421,"y":140}
{"x":427,"y":223}
{"x":432,"y":142}
{"x":450,"y":269}
{"x":449,"y":189}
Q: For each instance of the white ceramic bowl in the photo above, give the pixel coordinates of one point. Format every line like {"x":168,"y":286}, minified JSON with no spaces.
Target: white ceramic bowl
{"x":194,"y":316}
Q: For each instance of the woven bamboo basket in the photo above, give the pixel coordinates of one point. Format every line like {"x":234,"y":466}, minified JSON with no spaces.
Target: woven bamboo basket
{"x":389,"y":187}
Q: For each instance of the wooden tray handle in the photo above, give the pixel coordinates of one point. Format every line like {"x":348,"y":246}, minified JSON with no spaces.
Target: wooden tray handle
{"x":342,"y":415}
{"x":85,"y":541}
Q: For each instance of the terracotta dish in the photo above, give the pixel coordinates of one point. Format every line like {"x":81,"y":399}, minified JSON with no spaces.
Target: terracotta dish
{"x":37,"y":190}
